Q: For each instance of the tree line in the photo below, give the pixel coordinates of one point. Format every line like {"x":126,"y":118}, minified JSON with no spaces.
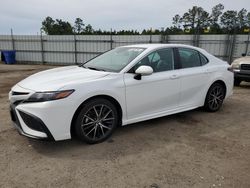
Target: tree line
{"x":195,"y":21}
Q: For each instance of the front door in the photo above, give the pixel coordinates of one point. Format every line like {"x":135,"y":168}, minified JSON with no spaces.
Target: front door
{"x":156,"y":93}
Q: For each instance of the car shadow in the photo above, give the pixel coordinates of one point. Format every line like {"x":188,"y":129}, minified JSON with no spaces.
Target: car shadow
{"x":244,"y":85}
{"x":128,"y":140}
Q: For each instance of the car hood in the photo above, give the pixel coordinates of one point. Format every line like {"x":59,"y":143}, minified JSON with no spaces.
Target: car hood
{"x":245,"y":60}
{"x":54,"y":79}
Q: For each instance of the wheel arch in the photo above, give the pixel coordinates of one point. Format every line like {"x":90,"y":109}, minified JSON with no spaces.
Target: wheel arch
{"x":111,"y":99}
{"x":222,"y":83}
{"x":216,"y":81}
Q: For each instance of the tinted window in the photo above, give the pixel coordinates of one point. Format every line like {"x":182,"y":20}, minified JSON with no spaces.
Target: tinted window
{"x":160,"y":60}
{"x":189,"y":58}
{"x":204,"y":60}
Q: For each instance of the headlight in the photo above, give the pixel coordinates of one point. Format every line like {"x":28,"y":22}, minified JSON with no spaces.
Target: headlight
{"x":49,"y":96}
{"x":235,"y":66}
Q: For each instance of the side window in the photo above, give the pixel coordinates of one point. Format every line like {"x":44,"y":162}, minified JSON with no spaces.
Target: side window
{"x":166,"y":60}
{"x":204,"y":60}
{"x":145,"y":61}
{"x":154,"y":57}
{"x":189,"y":58}
{"x":160,"y":60}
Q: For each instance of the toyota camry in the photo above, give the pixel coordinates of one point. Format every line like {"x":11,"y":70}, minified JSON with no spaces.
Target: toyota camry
{"x":122,"y":86}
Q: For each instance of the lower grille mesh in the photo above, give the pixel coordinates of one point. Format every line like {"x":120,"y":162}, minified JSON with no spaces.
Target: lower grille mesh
{"x":245,"y":66}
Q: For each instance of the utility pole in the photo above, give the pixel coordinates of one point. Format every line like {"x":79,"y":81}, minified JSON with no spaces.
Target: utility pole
{"x":150,"y":37}
{"x":162,"y":35}
{"x":12,"y":39}
{"x":248,"y":37}
{"x":232,"y":43}
{"x":111,"y":39}
{"x":75,"y":48}
{"x":42,"y":50}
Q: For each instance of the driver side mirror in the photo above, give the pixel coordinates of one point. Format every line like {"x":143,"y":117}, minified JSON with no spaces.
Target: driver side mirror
{"x":143,"y":71}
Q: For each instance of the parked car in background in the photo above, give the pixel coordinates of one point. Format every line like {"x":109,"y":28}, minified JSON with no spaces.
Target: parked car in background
{"x":125,"y":85}
{"x":241,"y":69}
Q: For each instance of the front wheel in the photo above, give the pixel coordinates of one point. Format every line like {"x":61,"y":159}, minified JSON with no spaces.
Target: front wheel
{"x":215,"y":97}
{"x":96,"y":121}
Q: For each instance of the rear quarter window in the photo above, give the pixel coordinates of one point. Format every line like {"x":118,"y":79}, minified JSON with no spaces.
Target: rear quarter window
{"x":203,"y":59}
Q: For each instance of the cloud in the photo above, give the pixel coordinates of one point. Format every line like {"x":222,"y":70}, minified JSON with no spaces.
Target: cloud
{"x":25,"y":16}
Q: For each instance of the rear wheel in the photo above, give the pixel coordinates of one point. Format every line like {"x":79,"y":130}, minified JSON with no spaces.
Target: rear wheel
{"x":96,"y":121}
{"x":215,"y":97}
{"x":237,"y":82}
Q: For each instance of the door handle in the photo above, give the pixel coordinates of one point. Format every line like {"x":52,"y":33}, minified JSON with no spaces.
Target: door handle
{"x":174,"y":76}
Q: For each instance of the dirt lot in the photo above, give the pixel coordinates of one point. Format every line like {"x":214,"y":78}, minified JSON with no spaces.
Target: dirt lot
{"x":191,"y":149}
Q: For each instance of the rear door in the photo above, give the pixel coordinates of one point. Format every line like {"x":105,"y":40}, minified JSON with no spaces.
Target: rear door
{"x":194,"y":77}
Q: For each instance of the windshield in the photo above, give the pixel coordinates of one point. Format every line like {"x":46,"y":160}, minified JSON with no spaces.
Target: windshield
{"x":114,"y":60}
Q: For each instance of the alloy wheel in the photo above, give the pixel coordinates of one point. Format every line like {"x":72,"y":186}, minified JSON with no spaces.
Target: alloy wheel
{"x":97,"y":122}
{"x":216,"y":97}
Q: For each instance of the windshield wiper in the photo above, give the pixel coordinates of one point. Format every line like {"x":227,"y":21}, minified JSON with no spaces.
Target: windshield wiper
{"x":82,"y":65}
{"x":93,"y":68}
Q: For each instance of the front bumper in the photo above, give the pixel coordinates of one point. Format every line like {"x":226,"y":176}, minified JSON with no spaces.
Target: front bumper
{"x":243,"y":75}
{"x":38,"y":130}
{"x":49,"y":120}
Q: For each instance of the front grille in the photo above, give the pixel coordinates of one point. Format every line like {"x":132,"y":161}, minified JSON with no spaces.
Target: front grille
{"x":19,"y":93}
{"x":245,"y":66}
{"x":18,"y":102}
{"x":12,"y":115}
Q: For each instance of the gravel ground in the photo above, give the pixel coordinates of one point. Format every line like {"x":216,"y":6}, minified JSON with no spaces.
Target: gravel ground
{"x":191,"y":149}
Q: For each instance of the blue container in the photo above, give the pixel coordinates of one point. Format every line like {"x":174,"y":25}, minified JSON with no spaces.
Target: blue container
{"x":9,"y":56}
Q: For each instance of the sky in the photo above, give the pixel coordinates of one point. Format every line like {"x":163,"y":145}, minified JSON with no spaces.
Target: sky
{"x":26,"y":16}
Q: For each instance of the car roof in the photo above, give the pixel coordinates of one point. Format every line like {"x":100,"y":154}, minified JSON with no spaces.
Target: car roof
{"x":155,"y":46}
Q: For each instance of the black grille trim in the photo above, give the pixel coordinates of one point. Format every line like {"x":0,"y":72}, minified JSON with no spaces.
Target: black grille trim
{"x":18,"y":102}
{"x":19,"y":93}
{"x":245,"y":66}
{"x":13,"y":115}
{"x":17,"y":125}
{"x":31,"y":122}
{"x":35,"y":123}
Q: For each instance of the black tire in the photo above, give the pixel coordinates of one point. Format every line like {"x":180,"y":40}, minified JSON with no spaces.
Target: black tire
{"x":237,"y":82}
{"x":215,"y":97}
{"x":96,"y":121}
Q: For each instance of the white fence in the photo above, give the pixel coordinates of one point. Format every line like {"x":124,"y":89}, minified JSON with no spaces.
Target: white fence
{"x":72,"y":49}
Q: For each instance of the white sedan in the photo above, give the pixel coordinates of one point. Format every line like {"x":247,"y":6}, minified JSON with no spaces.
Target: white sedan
{"x":125,"y":85}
